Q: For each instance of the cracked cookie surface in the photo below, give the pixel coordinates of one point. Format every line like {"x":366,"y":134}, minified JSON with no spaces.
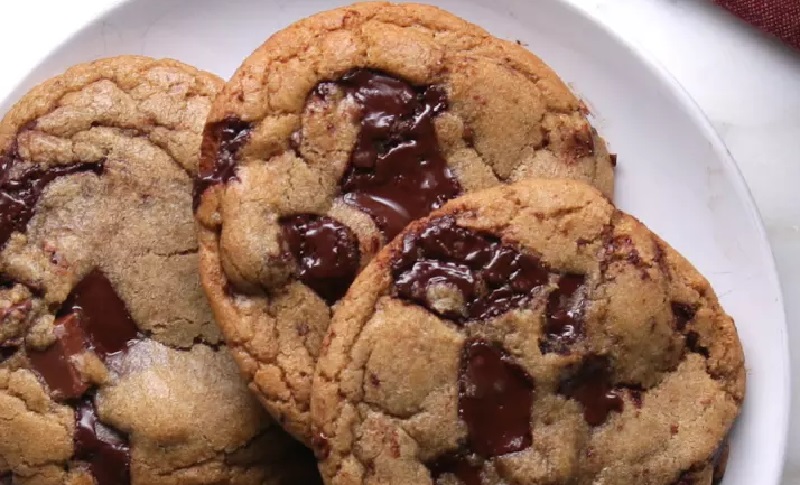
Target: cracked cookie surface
{"x":112,"y":370}
{"x":335,"y":134}
{"x":530,"y":333}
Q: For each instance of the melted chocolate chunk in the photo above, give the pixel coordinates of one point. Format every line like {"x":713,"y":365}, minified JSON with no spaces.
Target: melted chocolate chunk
{"x":564,"y":315}
{"x":492,"y":277}
{"x":93,"y":317}
{"x":495,"y":397}
{"x":103,"y":448}
{"x":591,"y":386}
{"x":464,"y":467}
{"x":102,"y":314}
{"x":55,"y":364}
{"x":20,"y":190}
{"x":326,"y":251}
{"x":683,"y":314}
{"x":396,"y":173}
{"x":424,"y":275}
{"x":221,"y":144}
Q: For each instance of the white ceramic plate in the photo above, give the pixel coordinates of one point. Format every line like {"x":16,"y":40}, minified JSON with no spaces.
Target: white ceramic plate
{"x":674,"y":172}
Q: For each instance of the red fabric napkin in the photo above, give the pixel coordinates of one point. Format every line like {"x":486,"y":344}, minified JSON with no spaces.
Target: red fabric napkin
{"x":780,"y":18}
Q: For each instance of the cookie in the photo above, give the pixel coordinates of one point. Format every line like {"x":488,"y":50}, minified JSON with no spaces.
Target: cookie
{"x":529,"y":333}
{"x":335,"y":134}
{"x":112,"y":371}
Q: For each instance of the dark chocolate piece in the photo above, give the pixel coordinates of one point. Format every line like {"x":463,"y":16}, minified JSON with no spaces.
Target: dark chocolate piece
{"x":54,"y":364}
{"x":105,"y":319}
{"x":495,"y":397}
{"x":105,"y":449}
{"x":326,"y":251}
{"x":590,"y":384}
{"x":396,"y":172}
{"x":220,"y":152}
{"x":423,"y":275}
{"x":492,"y":277}
{"x":564,"y":315}
{"x":93,"y":317}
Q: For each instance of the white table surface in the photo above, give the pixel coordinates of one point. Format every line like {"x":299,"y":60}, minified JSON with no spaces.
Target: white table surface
{"x":747,"y":83}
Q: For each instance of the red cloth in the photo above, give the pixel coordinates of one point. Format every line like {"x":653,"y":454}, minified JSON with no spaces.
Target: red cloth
{"x":780,"y":18}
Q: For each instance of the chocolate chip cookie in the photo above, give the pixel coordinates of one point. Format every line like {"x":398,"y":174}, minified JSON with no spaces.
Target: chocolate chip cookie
{"x":529,"y":333}
{"x":332,"y":137}
{"x":112,"y":370}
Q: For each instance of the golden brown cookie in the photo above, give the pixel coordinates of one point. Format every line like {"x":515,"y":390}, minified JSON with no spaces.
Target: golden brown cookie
{"x":112,"y":371}
{"x":530,"y":333}
{"x":335,"y":134}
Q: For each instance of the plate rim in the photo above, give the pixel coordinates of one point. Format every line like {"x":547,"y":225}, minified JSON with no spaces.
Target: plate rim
{"x":668,"y":81}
